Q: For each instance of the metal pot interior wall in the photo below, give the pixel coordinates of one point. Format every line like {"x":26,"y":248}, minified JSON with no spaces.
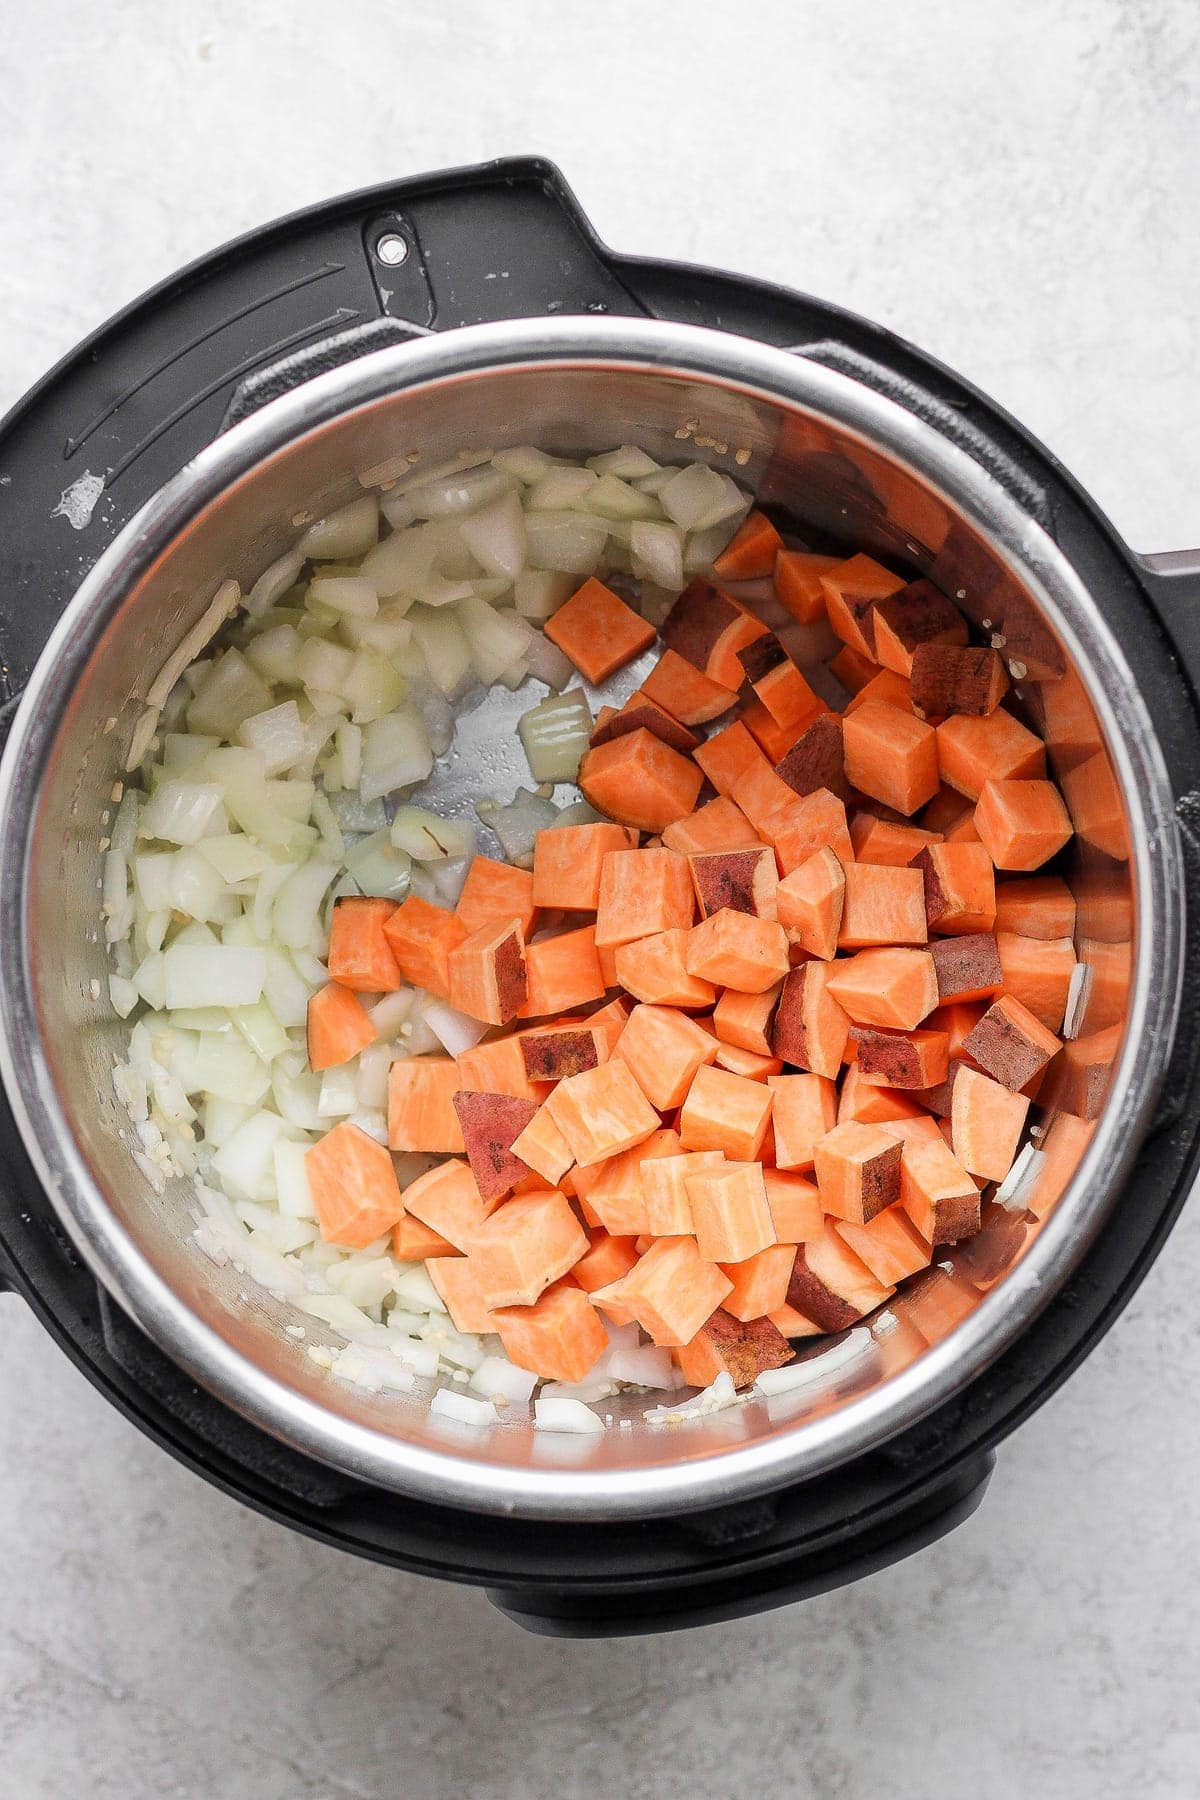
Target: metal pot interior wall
{"x":829,"y":481}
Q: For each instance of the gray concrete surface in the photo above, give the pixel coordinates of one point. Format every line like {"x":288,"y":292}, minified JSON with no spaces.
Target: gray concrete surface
{"x":1015,"y":187}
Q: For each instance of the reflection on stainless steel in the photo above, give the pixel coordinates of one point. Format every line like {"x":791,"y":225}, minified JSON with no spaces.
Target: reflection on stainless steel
{"x":846,"y":466}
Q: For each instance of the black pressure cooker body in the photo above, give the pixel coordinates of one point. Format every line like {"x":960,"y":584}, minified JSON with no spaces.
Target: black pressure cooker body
{"x":104,"y":430}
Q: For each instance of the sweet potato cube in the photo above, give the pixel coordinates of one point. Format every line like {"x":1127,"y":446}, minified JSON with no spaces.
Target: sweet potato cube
{"x":744,"y":1020}
{"x":562,"y":972}
{"x":858,"y":1171}
{"x":551,"y":1052}
{"x":448,"y":1201}
{"x":917,"y":615}
{"x":542,"y":1147}
{"x":956,"y":678}
{"x":895,"y":988}
{"x":524,"y":1246}
{"x":360,"y":956}
{"x":1037,"y":972}
{"x":421,"y":938}
{"x":494,"y":893}
{"x":354,"y":1187}
{"x":1035,"y":906}
{"x":795,"y":1205}
{"x":491,"y":1123}
{"x":743,"y":880}
{"x":606,"y":1259}
{"x":640,"y":781}
{"x":810,"y":902}
{"x":804,"y":1109}
{"x":719,"y":825}
{"x":725,"y":1112}
{"x":414,"y":1241}
{"x":664,"y":1048}
{"x":853,"y":669}
{"x":973,"y":751}
{"x":567,"y":862}
{"x":559,"y":1337}
{"x":640,"y":713}
{"x":741,"y":1349}
{"x":1011,"y":1044}
{"x":601,"y":1112}
{"x":830,"y":1285}
{"x":937,"y":1192}
{"x":816,"y":822}
{"x":867,"y":1102}
{"x":654,"y":969}
{"x":798,"y":583}
{"x":1022,"y":824}
{"x":612,"y":1193}
{"x":817,"y":758}
{"x":968,"y":967}
{"x":986,"y":1124}
{"x":1083,"y":1075}
{"x":960,"y":888}
{"x":725,"y":757}
{"x":889,"y":1245}
{"x":751,"y":551}
{"x":421,"y":1113}
{"x":668,"y":1210}
{"x":882,"y":905}
{"x":891,"y":755}
{"x":337,"y":1027}
{"x":886,"y":686}
{"x":762,"y":795}
{"x":901,"y":1059}
{"x":887,"y":844}
{"x":735,"y":949}
{"x":598,"y":632}
{"x":497,"y":1067}
{"x":780,"y":688}
{"x":671,"y":1291}
{"x":643,"y":892}
{"x":685,"y":691}
{"x":456,"y":1279}
{"x":760,"y":1282}
{"x":1093,"y":802}
{"x":707,"y":627}
{"x":811,"y":1027}
{"x":730,"y":1212}
{"x":750,"y":1063}
{"x":793,"y":1324}
{"x":488,"y":979}
{"x":1062,"y":1147}
{"x":850,"y":594}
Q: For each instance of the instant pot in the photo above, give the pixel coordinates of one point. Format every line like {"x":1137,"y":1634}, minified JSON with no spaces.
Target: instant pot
{"x":191,"y":440}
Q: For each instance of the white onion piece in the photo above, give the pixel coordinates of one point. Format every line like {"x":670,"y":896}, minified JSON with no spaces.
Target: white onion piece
{"x":657,"y":550}
{"x":294,"y":918}
{"x":233,"y":691}
{"x":373,"y":686}
{"x":495,"y":537}
{"x":450,"y":876}
{"x":538,"y":593}
{"x":816,"y":1371}
{"x":525,"y":463}
{"x":462,"y":493}
{"x":546,"y":662}
{"x":1015,"y":1190}
{"x":645,"y":1366}
{"x":380,"y":870}
{"x":397,"y":566}
{"x":444,"y":646}
{"x":690,"y":494}
{"x":559,"y":489}
{"x":565,"y":541}
{"x":497,"y":1379}
{"x":388,"y":1013}
{"x":213,"y":975}
{"x":455,"y":1031}
{"x":247,"y":1156}
{"x":565,"y":1415}
{"x":123,"y":996}
{"x":323,"y":666}
{"x":222,"y":606}
{"x":496,"y":640}
{"x":712,"y":1399}
{"x":615,"y":499}
{"x":274,"y":583}
{"x":436,"y":712}
{"x":703,"y":547}
{"x":351,"y":531}
{"x":277,"y":735}
{"x":339,"y":1092}
{"x":426,"y":836}
{"x":182,"y":812}
{"x":344,"y":594}
{"x":396,"y":754}
{"x":372,"y":1079}
{"x":627,"y":464}
{"x":292,"y":1190}
{"x":447,"y":1403}
{"x":517,"y":824}
{"x":555,"y":735}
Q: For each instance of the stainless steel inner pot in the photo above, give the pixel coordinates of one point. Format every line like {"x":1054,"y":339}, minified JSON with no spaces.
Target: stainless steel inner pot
{"x":837,"y":455}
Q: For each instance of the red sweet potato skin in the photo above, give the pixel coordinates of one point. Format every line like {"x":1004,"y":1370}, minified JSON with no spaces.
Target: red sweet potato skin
{"x":490,"y":1125}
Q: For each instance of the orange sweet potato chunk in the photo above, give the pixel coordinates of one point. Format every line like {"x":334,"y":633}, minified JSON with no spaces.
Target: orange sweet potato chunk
{"x":643,"y":892}
{"x":488,"y":977}
{"x":337,"y":1027}
{"x":735,"y":949}
{"x":421,"y":1113}
{"x":725,"y":1112}
{"x":598,"y":632}
{"x":760,"y":1282}
{"x":448,"y":1201}
{"x":891,"y":755}
{"x":654,"y":969}
{"x":495,"y":892}
{"x":730,"y":1213}
{"x":559,"y":1337}
{"x":422,"y":937}
{"x":664,"y":1049}
{"x":858,"y":1171}
{"x":803,"y":1111}
{"x":602,"y":1112}
{"x":528,"y":1243}
{"x":567,"y":862}
{"x":354,"y":1187}
{"x":640,"y":781}
{"x":360,"y":956}
{"x":882,"y":905}
{"x":671,"y":1291}
{"x":562,"y":972}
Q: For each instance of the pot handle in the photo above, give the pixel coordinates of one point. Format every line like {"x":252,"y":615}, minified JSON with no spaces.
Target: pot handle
{"x":734,"y":1591}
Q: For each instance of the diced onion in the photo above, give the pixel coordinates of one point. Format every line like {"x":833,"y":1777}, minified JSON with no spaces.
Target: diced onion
{"x":395,"y":754}
{"x":657,"y":551}
{"x":565,"y":1415}
{"x":555,"y":735}
{"x":349,"y":532}
{"x":518,"y":824}
{"x":464,"y":1409}
{"x":816,"y":1371}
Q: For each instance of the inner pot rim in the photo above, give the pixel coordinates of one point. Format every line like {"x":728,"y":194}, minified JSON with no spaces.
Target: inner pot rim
{"x":777,"y":378}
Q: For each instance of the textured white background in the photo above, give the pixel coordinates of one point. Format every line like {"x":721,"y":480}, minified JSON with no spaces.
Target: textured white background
{"x":1014,"y":186}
